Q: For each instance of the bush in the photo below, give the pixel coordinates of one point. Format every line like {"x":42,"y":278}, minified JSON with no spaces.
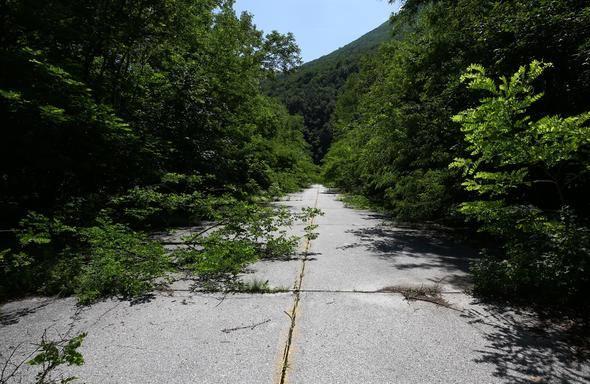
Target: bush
{"x":545,"y":253}
{"x":242,"y":234}
{"x":39,"y":245}
{"x":106,"y":259}
{"x":121,"y":263}
{"x":222,"y":257}
{"x":420,"y":195}
{"x":549,"y":264}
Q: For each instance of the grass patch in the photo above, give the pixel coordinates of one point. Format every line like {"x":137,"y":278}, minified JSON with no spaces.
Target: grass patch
{"x":258,"y":286}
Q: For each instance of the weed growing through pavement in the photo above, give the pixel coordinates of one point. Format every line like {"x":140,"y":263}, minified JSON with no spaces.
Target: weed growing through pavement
{"x":242,"y":233}
{"x":257,"y":286}
{"x":48,"y":356}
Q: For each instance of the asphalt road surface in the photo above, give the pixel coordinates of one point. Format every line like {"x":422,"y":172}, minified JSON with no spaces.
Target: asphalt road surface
{"x":347,"y":318}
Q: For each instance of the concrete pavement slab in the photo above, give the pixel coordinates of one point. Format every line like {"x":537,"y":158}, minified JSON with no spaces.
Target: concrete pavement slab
{"x":345,"y":337}
{"x":184,"y":338}
{"x":357,"y":338}
{"x":360,"y":250}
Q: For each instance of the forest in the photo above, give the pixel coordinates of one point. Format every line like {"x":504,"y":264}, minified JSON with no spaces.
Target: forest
{"x":476,"y":116}
{"x":313,"y":89}
{"x":122,"y":118}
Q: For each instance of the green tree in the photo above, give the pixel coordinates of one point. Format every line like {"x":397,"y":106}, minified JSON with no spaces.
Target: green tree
{"x":512,"y":157}
{"x":141,"y":111}
{"x":281,"y":52}
{"x":393,"y":131}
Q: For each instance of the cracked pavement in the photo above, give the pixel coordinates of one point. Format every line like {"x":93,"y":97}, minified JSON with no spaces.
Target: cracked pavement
{"x":334,"y":326}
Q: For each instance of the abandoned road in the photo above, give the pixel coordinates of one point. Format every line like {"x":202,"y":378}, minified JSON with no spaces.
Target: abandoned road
{"x":348,"y":317}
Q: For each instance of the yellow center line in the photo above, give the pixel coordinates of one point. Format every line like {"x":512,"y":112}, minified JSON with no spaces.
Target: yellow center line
{"x":297,"y":292}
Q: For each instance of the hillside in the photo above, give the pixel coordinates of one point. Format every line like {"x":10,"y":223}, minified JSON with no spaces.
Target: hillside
{"x":354,"y":50}
{"x":312,"y":90}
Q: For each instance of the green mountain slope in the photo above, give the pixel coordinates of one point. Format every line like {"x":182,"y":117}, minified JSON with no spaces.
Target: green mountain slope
{"x":311,"y":91}
{"x":356,"y":49}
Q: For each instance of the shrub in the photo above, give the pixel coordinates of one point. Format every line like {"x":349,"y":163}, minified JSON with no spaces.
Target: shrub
{"x":120,"y":263}
{"x":105,"y":259}
{"x":38,"y":246}
{"x":545,"y":253}
{"x":243,"y":233}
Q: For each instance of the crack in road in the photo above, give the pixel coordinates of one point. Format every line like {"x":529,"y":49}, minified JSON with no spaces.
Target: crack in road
{"x":297,"y":292}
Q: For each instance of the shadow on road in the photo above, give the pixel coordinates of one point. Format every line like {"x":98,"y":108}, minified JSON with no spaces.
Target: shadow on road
{"x":520,"y":346}
{"x":525,"y":349}
{"x":14,"y":316}
{"x":423,"y":250}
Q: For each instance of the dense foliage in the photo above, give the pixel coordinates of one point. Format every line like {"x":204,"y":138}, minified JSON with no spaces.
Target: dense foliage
{"x":526,"y":157}
{"x":242,"y":232}
{"x":546,"y":247}
{"x":312,"y":90}
{"x":135,"y":114}
{"x":122,"y":117}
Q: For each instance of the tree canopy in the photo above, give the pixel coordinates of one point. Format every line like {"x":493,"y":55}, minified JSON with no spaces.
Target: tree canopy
{"x":133,"y":113}
{"x":521,"y":152}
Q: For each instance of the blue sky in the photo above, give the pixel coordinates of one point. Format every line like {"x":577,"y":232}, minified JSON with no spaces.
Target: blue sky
{"x":320,"y":26}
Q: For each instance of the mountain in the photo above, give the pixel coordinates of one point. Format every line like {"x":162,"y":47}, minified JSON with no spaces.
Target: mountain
{"x":311,"y":91}
{"x":361,"y":46}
